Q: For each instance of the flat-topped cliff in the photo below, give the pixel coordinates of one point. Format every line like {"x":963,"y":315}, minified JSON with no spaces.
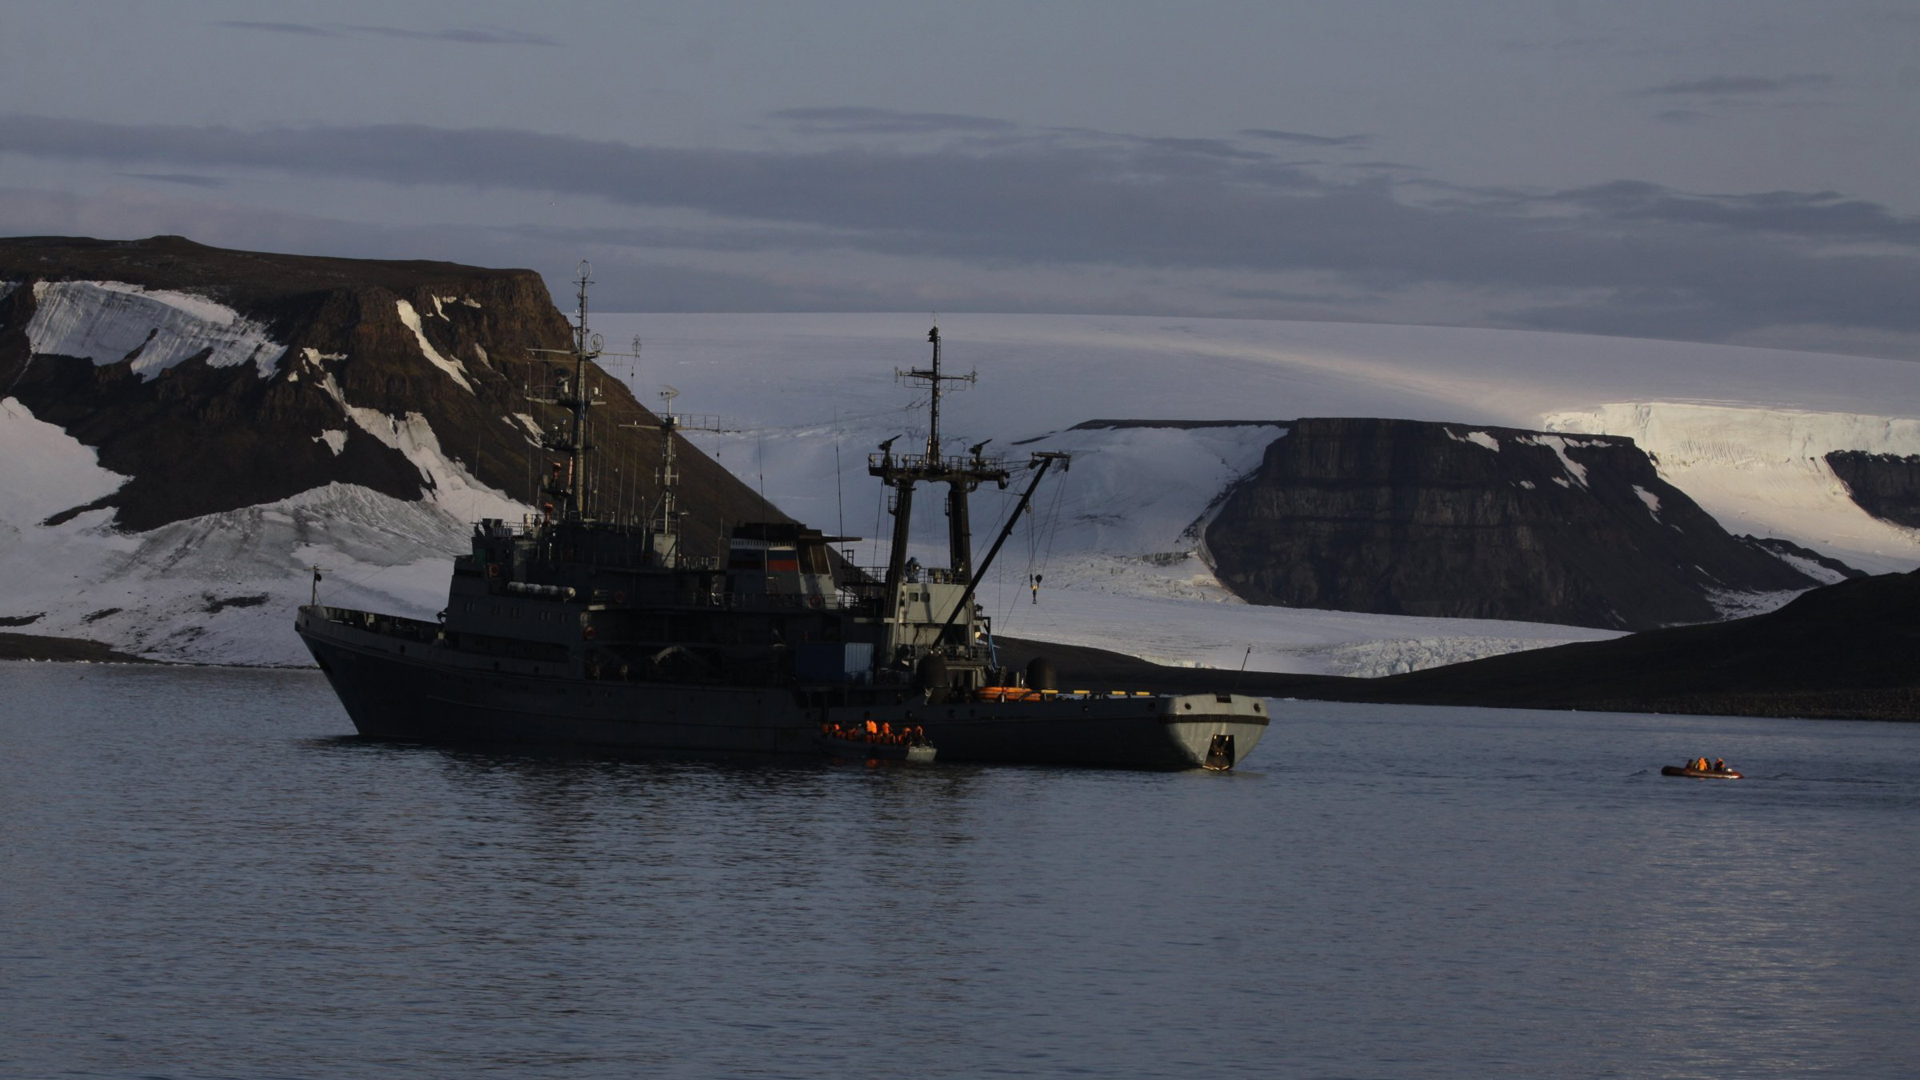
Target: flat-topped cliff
{"x":1415,"y":518}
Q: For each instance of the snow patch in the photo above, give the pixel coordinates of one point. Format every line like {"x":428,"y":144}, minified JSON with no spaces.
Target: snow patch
{"x":1377,"y":659}
{"x":223,"y":588}
{"x":1478,"y":438}
{"x":1739,"y":605}
{"x":1559,"y":447}
{"x":449,"y":484}
{"x":452,"y":367}
{"x":335,"y":440}
{"x":110,"y":321}
{"x":1652,"y":500}
{"x":1820,"y":572}
{"x":44,"y":470}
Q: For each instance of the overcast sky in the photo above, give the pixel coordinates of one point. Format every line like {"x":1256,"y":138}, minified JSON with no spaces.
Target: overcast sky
{"x":1715,"y":170}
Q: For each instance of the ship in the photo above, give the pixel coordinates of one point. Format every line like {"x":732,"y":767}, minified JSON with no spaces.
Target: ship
{"x":573,"y":631}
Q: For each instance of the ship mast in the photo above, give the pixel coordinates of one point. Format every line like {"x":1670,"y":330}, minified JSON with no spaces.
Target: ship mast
{"x":961,"y":475}
{"x":667,"y":476}
{"x":568,"y":488}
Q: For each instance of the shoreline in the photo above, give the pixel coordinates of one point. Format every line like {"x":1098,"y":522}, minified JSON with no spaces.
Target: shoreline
{"x":73,"y":650}
{"x":1084,"y":666}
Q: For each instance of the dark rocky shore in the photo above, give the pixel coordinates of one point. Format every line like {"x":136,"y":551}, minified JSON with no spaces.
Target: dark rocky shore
{"x":40,"y":647}
{"x":1846,"y":651}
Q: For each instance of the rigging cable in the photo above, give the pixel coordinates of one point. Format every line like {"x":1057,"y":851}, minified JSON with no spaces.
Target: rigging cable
{"x":1049,"y":527}
{"x":879,"y":514}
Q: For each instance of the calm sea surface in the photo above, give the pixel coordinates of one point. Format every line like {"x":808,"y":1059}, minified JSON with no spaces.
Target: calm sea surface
{"x":205,"y":875}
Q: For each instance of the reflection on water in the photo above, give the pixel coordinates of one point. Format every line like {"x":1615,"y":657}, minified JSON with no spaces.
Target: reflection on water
{"x":206,"y":875}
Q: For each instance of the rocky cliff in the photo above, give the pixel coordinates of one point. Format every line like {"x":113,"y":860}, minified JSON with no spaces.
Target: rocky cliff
{"x":1884,"y":485}
{"x":1416,"y":518}
{"x":215,"y":380}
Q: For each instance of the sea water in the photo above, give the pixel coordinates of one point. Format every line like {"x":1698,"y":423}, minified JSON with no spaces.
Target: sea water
{"x":207,"y":875}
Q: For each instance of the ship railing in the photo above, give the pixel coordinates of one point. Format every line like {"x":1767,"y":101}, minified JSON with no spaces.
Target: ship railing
{"x":776,"y":601}
{"x":916,"y":575}
{"x":944,"y":463}
{"x":859,"y":591}
{"x":387,"y":625}
{"x":505,"y":530}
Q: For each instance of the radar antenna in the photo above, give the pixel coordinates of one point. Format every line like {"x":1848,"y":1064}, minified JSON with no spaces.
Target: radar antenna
{"x":665,"y":522}
{"x":936,"y":381}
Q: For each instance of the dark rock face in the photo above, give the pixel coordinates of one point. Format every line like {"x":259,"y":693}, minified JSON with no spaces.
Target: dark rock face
{"x":1843,"y":651}
{"x":1406,"y":517}
{"x":1790,"y":551}
{"x":1884,"y":485}
{"x":197,"y":438}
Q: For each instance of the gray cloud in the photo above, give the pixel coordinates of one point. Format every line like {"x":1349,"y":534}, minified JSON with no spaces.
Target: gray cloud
{"x":1300,"y":138}
{"x":1292,"y":296}
{"x":860,"y":120}
{"x":459,"y":35}
{"x":1820,"y":215}
{"x":188,"y":179}
{"x":1626,"y":257}
{"x":302,"y":29}
{"x":1723,"y":85}
{"x":456,"y":35}
{"x":1173,"y":145}
{"x":1635,"y":45}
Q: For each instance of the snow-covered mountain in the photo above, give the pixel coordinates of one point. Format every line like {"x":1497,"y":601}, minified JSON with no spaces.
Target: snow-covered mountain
{"x":187,"y":431}
{"x":804,"y":398}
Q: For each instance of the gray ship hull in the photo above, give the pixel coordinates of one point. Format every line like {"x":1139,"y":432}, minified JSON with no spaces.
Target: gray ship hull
{"x":399,"y":687}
